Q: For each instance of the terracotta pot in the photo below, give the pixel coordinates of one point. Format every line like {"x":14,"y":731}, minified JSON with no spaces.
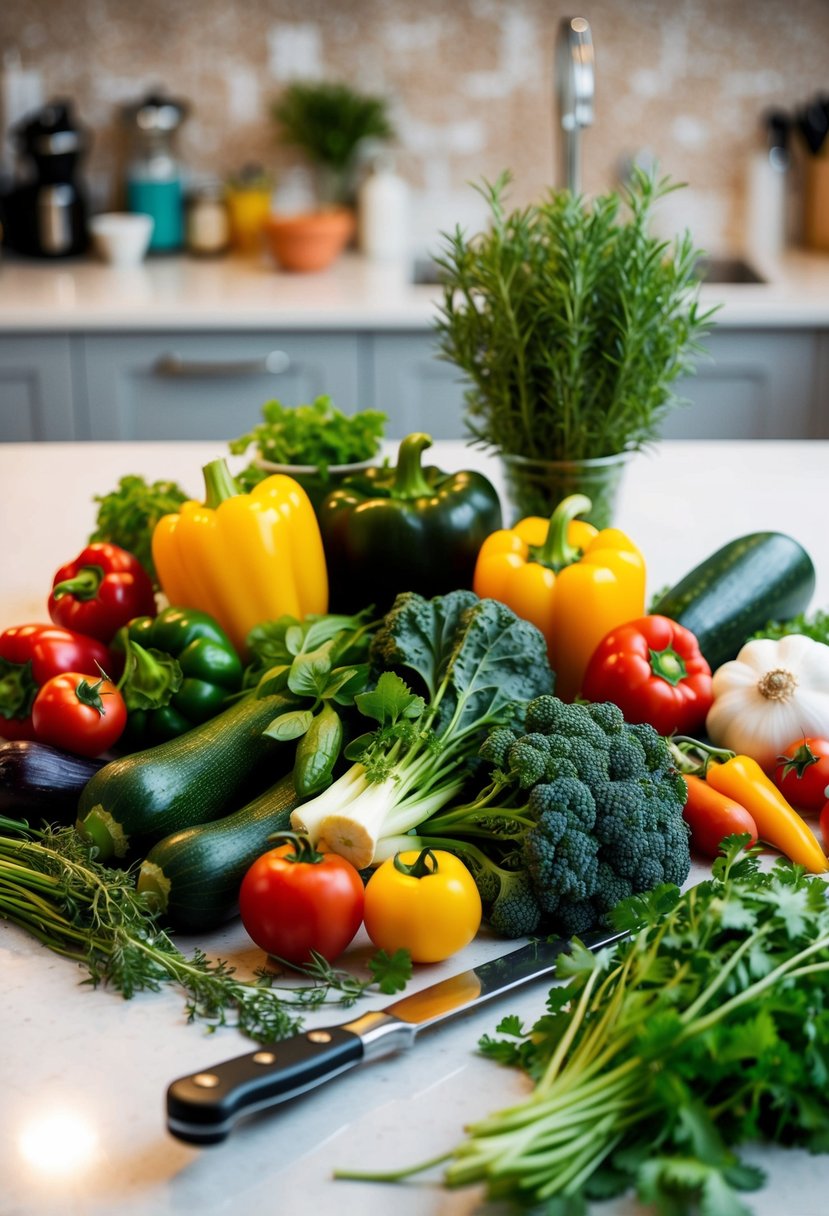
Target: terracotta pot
{"x":310,"y":241}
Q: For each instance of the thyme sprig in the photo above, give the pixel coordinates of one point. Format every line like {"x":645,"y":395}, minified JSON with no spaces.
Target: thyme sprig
{"x":52,"y":886}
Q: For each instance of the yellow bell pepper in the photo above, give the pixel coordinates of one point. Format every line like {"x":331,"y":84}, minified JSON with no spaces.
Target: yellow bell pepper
{"x":243,"y":558}
{"x":571,"y":581}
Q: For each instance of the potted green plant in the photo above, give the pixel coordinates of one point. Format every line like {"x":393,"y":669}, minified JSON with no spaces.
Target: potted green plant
{"x":329,"y":122}
{"x":571,"y":322}
{"x":315,"y":443}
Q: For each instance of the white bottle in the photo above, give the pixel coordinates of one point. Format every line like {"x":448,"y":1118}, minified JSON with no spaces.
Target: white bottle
{"x":383,"y":214}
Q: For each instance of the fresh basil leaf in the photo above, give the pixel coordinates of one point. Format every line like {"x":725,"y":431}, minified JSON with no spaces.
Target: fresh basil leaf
{"x":290,"y":725}
{"x":309,"y":672}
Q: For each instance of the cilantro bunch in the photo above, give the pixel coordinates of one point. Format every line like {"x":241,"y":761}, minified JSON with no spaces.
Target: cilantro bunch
{"x":706,"y":1029}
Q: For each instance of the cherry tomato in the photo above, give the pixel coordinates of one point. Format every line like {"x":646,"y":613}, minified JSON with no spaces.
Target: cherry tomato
{"x":425,"y":902}
{"x":802,"y":773}
{"x":295,"y":900}
{"x":78,"y":713}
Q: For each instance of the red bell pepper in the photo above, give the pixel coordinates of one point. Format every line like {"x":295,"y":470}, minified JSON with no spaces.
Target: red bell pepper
{"x":101,"y":590}
{"x":653,"y":670}
{"x":29,"y":656}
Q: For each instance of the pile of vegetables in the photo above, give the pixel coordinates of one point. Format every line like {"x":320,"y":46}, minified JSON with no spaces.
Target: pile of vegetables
{"x":384,"y":710}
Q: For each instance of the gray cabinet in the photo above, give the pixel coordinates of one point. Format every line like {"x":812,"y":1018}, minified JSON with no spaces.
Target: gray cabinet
{"x":821,"y":408}
{"x":750,"y":384}
{"x":208,"y":386}
{"x":36,"y":392}
{"x":418,"y":391}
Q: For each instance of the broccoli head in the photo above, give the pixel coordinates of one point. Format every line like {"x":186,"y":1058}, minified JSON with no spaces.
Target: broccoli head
{"x":595,"y":808}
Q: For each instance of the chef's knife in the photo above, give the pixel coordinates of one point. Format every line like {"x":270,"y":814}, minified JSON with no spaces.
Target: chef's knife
{"x":204,"y":1107}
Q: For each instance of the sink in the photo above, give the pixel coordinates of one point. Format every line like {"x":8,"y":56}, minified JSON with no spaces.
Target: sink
{"x":727,"y":270}
{"x":710,"y":270}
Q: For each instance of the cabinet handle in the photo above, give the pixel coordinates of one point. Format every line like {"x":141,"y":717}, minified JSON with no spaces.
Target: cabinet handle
{"x":171,"y":364}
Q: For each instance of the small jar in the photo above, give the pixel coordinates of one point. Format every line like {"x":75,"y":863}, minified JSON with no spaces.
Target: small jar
{"x":208,"y":224}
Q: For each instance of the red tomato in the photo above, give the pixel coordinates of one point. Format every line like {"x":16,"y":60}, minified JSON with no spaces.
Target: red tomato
{"x":803,"y":773}
{"x":79,"y":714}
{"x":295,"y":900}
{"x":653,"y":670}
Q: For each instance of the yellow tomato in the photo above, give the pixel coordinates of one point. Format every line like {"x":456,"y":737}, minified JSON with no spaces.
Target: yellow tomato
{"x":423,"y":901}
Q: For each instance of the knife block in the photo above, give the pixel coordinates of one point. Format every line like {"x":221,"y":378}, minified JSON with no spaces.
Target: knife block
{"x":816,"y":215}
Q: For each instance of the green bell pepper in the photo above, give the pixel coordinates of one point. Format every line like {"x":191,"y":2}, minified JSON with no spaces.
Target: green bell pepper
{"x":404,"y":528}
{"x":180,"y":668}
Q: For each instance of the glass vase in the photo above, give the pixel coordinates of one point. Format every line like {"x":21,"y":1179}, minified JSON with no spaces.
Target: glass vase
{"x":536,"y":487}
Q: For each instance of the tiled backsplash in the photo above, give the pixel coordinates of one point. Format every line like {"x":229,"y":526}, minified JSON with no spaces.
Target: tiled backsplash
{"x":470,"y":82}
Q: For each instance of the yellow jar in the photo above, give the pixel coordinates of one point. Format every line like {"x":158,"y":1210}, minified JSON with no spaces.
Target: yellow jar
{"x":248,"y":204}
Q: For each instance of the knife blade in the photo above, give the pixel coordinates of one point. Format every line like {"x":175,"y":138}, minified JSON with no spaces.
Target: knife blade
{"x":204,"y":1107}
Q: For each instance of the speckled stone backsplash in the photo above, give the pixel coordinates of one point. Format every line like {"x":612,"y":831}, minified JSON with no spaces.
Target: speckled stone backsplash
{"x":470,"y":83}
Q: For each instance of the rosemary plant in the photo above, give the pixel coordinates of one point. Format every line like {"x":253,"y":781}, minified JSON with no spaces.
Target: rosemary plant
{"x":571,"y":322}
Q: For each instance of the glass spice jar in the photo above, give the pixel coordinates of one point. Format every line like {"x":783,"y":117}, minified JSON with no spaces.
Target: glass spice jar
{"x":208,"y":223}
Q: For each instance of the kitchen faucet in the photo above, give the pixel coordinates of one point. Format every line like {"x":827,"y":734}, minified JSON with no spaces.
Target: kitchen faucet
{"x":574,"y":93}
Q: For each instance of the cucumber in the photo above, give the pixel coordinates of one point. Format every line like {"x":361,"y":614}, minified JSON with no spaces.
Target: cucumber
{"x":192,"y":877}
{"x":752,"y":580}
{"x":138,"y":799}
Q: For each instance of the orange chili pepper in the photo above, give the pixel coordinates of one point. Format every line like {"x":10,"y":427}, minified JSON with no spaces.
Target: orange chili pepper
{"x":712,"y":816}
{"x":778,"y":823}
{"x":571,"y":581}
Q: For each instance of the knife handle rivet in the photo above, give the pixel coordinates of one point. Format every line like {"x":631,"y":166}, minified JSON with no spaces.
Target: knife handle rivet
{"x":206,"y":1080}
{"x":264,"y":1057}
{"x":319,"y":1036}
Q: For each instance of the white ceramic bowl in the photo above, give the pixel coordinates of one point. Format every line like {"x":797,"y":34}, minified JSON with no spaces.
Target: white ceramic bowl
{"x":121,"y":237}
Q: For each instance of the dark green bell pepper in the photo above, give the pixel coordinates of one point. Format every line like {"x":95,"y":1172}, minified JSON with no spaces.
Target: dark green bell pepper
{"x":404,"y":528}
{"x":180,"y":668}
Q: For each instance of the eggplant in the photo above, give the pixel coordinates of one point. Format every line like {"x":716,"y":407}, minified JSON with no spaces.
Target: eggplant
{"x":35,"y":777}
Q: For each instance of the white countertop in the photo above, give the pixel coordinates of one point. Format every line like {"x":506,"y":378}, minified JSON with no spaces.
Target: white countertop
{"x":184,"y":293}
{"x":105,"y":1063}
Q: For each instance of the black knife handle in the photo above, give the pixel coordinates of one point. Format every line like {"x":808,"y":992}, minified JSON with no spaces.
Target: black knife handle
{"x":203,"y":1107}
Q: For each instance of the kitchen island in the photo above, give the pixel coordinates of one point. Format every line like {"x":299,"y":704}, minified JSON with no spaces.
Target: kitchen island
{"x":83,"y":1073}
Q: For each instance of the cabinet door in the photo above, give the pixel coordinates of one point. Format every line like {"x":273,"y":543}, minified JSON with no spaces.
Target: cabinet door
{"x":209,"y":386}
{"x":749,"y":385}
{"x":416,"y":389}
{"x":820,"y":414}
{"x":35,"y":388}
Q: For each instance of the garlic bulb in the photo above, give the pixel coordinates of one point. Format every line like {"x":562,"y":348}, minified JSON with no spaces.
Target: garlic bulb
{"x":771,"y":695}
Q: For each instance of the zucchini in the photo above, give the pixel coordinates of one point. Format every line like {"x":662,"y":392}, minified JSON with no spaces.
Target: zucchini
{"x":140,"y":798}
{"x":35,"y":777}
{"x":192,"y":877}
{"x":752,"y":580}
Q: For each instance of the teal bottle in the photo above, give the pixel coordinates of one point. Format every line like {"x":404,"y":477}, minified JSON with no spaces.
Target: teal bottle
{"x":163,"y":199}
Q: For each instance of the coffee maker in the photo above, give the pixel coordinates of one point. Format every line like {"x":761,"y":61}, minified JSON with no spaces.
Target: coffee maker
{"x":45,"y":212}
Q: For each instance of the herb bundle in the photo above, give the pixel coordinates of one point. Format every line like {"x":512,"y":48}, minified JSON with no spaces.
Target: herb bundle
{"x":570,"y":323}
{"x":128,"y":514}
{"x":708,"y":1028}
{"x":51,"y":885}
